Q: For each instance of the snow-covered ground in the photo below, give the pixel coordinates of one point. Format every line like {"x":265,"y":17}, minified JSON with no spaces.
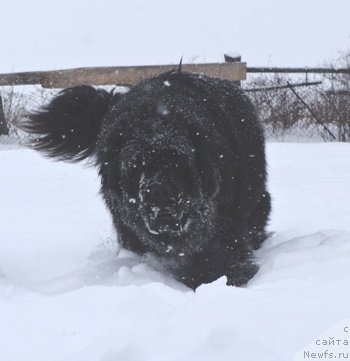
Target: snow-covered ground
{"x":65,"y":295}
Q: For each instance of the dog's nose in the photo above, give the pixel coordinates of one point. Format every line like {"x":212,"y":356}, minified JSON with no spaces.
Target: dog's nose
{"x":161,"y":194}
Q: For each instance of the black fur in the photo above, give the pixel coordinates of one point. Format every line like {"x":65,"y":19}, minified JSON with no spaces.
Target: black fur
{"x":182,"y":162}
{"x":68,"y":127}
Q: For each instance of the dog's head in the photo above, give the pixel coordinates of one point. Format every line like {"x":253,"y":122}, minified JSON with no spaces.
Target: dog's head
{"x":159,"y":174}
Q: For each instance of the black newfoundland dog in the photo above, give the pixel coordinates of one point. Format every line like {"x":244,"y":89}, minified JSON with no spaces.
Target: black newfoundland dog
{"x":182,"y":162}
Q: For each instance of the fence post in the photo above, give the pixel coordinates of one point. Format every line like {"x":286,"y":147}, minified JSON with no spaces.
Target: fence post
{"x":3,"y":124}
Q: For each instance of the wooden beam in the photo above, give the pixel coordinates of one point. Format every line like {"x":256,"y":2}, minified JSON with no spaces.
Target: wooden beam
{"x":278,"y":87}
{"x":304,"y":70}
{"x":123,"y":75}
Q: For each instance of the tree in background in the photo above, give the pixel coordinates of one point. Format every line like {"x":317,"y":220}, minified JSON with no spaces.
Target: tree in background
{"x":4,"y":130}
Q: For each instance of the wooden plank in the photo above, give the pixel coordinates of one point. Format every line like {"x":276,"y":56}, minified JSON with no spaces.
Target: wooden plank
{"x":25,"y":78}
{"x":304,"y":70}
{"x":279,"y":87}
{"x":125,"y":75}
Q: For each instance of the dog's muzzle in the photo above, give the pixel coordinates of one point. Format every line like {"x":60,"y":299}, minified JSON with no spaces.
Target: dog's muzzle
{"x":165,"y":209}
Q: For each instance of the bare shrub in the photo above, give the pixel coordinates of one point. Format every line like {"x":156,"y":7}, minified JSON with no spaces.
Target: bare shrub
{"x":328,"y":116}
{"x":17,"y":101}
{"x":332,"y":101}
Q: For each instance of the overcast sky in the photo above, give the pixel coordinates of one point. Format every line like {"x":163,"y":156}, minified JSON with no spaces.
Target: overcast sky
{"x":44,"y":34}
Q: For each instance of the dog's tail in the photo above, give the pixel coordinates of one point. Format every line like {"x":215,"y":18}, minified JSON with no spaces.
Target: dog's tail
{"x":67,"y":128}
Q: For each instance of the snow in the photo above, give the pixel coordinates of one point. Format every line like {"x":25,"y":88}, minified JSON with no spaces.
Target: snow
{"x":66,"y":295}
{"x":233,"y":54}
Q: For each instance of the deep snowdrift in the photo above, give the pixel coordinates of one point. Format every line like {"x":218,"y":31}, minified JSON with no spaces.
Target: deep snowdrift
{"x":64,"y":295}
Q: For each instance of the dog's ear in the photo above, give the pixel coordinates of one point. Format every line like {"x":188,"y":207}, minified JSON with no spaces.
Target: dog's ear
{"x":67,"y":128}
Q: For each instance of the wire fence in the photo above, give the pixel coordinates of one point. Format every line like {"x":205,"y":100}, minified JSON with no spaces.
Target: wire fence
{"x":317,"y":112}
{"x":17,"y":102}
{"x":320,"y":112}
